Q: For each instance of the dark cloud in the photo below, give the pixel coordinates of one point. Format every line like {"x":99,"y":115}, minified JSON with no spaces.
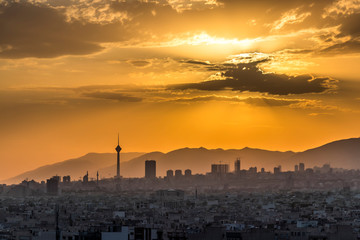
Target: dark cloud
{"x":29,"y":30}
{"x":197,"y":62}
{"x":140,"y":63}
{"x":248,"y":77}
{"x":113,"y":96}
{"x":351,"y":46}
{"x":350,"y":26}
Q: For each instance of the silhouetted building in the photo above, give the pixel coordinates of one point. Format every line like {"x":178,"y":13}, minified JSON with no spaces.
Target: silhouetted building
{"x":187,"y":172}
{"x":118,"y":149}
{"x":219,"y":169}
{"x":301,"y":167}
{"x":296,"y":168}
{"x":178,"y":173}
{"x":86,"y":178}
{"x":262,"y":170}
{"x":52,"y":185}
{"x":237,"y":165}
{"x":66,"y":179}
{"x":150,"y":169}
{"x":252,"y":170}
{"x":169,"y":173}
{"x":277,"y":169}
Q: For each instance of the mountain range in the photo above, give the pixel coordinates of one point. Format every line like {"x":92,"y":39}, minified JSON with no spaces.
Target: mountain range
{"x":340,"y":154}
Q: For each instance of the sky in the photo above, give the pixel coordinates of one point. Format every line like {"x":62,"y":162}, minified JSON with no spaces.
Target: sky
{"x":166,"y":74}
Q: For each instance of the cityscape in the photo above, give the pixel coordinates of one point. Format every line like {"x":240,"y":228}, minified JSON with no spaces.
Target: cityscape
{"x":225,"y":203}
{"x":179,"y":120}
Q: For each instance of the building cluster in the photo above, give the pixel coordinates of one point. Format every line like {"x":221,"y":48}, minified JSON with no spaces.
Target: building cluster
{"x":183,"y":214}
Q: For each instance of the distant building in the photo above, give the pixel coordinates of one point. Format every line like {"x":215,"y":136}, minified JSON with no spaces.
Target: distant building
{"x":86,"y":178}
{"x":252,"y":170}
{"x":237,"y":165}
{"x":219,"y":169}
{"x":277,"y":169}
{"x":169,"y":173}
{"x":178,"y":173}
{"x":150,"y":169}
{"x":296,"y":168}
{"x":187,"y":172}
{"x":262,"y":170}
{"x":301,"y":167}
{"x":66,"y":179}
{"x":52,"y":185}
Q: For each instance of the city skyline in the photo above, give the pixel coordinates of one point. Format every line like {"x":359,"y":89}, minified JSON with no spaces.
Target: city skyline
{"x":277,"y":75}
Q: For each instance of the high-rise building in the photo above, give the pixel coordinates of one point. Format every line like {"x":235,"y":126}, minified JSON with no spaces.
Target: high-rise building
{"x":150,"y":169}
{"x":277,"y":169}
{"x":52,"y":185}
{"x":66,"y":179}
{"x":86,"y":178}
{"x":178,"y":173}
{"x":219,"y":168}
{"x":252,"y":170}
{"x":118,"y":149}
{"x":237,"y":165}
{"x":296,"y":168}
{"x":301,"y":167}
{"x":169,"y":173}
{"x":187,"y":172}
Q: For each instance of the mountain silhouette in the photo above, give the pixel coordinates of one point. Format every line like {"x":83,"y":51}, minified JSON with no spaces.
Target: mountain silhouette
{"x":340,"y":154}
{"x":76,"y":167}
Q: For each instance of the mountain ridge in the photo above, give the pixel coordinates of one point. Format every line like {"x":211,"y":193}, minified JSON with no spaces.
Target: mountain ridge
{"x":344,"y":153}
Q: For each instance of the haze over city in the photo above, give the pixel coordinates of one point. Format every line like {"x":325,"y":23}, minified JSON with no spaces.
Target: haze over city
{"x":275,"y":75}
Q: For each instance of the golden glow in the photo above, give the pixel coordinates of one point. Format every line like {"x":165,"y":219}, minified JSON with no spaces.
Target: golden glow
{"x":171,"y":74}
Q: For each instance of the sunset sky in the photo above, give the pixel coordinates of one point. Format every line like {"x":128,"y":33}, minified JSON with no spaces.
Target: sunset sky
{"x":165,"y":74}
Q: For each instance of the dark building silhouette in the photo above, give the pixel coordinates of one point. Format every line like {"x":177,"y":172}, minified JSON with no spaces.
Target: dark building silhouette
{"x":252,"y":170}
{"x":52,"y":185}
{"x":178,"y":173}
{"x":66,"y":179}
{"x":118,"y":149}
{"x":219,"y":168}
{"x":237,"y":165}
{"x":262,"y":170}
{"x":169,"y":173}
{"x":277,"y":169}
{"x":301,"y":167}
{"x":187,"y":172}
{"x":296,"y":169}
{"x":150,"y":169}
{"x":86,"y":178}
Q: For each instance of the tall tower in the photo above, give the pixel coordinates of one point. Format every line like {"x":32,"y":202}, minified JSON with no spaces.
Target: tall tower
{"x":118,"y":149}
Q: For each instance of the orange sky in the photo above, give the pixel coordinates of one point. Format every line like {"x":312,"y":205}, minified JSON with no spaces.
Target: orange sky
{"x":271,"y":74}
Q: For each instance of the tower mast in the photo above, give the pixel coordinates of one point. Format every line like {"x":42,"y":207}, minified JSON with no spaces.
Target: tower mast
{"x":118,"y":149}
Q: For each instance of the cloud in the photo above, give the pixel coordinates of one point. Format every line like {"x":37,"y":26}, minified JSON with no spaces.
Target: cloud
{"x":291,"y":17}
{"x":248,"y":77}
{"x":29,"y":30}
{"x":258,"y":101}
{"x":140,"y":63}
{"x":113,"y":96}
{"x":350,"y":46}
